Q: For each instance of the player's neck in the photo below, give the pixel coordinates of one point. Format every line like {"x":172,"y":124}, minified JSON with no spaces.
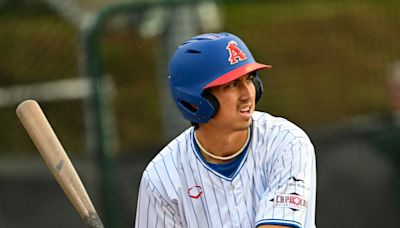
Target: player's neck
{"x":221,"y":144}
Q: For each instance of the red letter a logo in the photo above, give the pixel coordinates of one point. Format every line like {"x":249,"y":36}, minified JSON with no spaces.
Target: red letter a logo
{"x":235,"y":54}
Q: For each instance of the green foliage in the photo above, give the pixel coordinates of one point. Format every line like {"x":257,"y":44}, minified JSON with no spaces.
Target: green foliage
{"x":330,"y":60}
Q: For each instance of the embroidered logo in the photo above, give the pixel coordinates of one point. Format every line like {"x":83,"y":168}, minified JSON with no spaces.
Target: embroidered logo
{"x":195,"y":191}
{"x":292,"y":201}
{"x":235,"y":53}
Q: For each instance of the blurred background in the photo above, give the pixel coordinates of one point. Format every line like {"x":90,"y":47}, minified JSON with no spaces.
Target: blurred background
{"x":98,"y":69}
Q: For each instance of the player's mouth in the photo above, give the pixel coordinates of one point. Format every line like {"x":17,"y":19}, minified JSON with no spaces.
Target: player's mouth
{"x":245,"y":111}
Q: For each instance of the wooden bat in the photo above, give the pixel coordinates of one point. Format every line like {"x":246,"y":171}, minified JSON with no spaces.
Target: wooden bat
{"x":46,"y":141}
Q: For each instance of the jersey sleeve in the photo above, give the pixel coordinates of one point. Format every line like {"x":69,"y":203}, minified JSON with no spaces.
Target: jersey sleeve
{"x":153,"y":209}
{"x":289,"y":199}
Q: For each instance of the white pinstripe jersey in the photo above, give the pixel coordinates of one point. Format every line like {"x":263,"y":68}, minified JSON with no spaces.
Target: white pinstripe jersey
{"x":275,"y":183}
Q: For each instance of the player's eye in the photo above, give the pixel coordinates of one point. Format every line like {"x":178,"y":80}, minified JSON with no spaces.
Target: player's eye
{"x":250,"y":77}
{"x":232,"y":84}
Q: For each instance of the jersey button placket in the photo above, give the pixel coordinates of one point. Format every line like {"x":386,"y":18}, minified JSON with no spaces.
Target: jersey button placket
{"x":235,"y":209}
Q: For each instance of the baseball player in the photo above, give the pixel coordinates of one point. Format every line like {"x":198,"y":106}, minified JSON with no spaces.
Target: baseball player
{"x":234,"y":167}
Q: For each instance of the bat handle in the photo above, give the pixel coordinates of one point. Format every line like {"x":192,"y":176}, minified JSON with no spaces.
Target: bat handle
{"x":93,"y":221}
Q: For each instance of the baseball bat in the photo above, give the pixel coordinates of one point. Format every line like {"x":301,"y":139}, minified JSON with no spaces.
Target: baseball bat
{"x":47,"y":143}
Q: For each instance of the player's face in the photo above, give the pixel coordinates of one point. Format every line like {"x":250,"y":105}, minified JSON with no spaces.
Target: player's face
{"x":237,"y":103}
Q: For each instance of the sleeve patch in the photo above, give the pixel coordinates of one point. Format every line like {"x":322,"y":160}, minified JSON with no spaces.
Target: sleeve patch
{"x":292,"y":201}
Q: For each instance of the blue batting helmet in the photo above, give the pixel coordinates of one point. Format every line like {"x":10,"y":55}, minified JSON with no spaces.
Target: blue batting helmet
{"x":205,"y":61}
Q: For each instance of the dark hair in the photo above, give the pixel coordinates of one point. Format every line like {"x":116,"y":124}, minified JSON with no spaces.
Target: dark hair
{"x":195,"y":125}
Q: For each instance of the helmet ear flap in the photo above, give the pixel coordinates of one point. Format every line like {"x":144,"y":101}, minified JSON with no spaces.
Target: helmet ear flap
{"x":259,"y":87}
{"x":212,"y":99}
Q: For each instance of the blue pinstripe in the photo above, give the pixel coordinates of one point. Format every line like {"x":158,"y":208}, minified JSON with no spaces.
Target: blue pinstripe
{"x":202,"y":201}
{"x":192,"y":206}
{"x":245,"y":201}
{"x":227,"y":202}
{"x":205,"y":200}
{"x":216,"y":200}
{"x":148,"y":209}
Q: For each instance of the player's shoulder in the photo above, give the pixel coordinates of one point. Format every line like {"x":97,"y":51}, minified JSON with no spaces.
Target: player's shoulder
{"x":164,"y":171}
{"x":275,"y":125}
{"x":170,"y":156}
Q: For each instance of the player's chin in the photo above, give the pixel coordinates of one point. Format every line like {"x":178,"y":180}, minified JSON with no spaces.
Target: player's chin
{"x":245,"y":119}
{"x":243,"y":126}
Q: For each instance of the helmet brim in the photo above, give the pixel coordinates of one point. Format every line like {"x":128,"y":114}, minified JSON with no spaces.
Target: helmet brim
{"x":236,"y":73}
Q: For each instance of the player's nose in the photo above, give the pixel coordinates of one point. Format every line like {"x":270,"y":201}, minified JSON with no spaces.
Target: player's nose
{"x":247,"y":89}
